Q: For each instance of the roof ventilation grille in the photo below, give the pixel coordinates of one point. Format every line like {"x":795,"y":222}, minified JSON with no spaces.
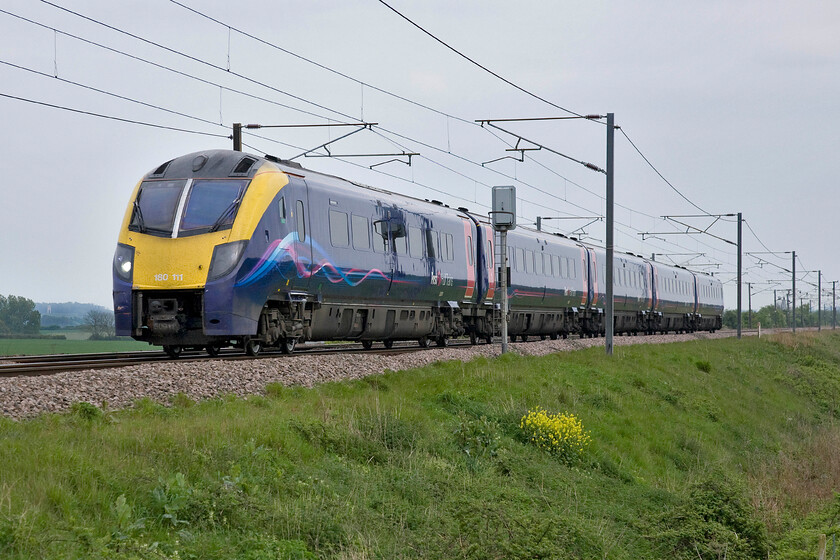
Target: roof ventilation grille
{"x":243,"y":166}
{"x":160,"y":170}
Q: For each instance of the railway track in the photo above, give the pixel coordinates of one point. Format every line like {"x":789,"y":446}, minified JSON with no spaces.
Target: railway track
{"x":54,"y":363}
{"x":13,"y":366}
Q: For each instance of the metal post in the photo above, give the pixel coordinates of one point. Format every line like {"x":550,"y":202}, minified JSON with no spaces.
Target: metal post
{"x":819,"y":300}
{"x":739,"y":275}
{"x":237,"y":137}
{"x":787,"y":301}
{"x":610,"y":181}
{"x":793,"y":290}
{"x":539,"y":223}
{"x":749,"y":304}
{"x":504,"y":290}
{"x":834,"y":304}
{"x":775,"y":307}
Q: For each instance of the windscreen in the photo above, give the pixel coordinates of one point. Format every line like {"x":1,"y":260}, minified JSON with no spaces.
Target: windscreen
{"x":155,"y":207}
{"x":211,"y":206}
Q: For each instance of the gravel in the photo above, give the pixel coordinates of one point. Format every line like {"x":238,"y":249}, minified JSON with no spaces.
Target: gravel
{"x":25,"y":397}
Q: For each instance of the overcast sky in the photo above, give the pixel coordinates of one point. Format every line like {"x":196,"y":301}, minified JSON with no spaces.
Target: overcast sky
{"x":735,"y":103}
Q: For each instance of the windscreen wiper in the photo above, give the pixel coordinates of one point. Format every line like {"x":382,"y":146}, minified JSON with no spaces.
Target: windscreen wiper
{"x":139,"y":215}
{"x":224,"y":216}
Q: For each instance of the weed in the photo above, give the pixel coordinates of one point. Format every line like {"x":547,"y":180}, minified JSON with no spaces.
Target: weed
{"x":126,"y":523}
{"x":561,"y":435}
{"x":85,"y":411}
{"x":476,"y":437}
{"x":704,"y":366}
{"x":181,"y":400}
{"x":171,"y":497}
{"x":274,"y":390}
{"x":714,"y":521}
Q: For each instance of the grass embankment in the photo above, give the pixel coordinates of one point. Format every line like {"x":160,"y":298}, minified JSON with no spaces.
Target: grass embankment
{"x":714,"y":449}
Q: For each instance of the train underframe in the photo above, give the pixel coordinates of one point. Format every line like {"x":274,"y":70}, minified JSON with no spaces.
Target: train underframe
{"x":175,"y":320}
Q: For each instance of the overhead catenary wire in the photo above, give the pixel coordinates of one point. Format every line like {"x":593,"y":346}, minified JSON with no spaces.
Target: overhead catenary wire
{"x":462,"y":55}
{"x":258,"y":82}
{"x":538,"y":97}
{"x":195,"y":59}
{"x":514,"y":178}
{"x":111,"y":117}
{"x":162,"y":66}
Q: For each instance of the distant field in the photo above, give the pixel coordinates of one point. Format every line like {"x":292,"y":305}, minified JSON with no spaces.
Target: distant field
{"x":69,"y":334}
{"x":30,"y":347}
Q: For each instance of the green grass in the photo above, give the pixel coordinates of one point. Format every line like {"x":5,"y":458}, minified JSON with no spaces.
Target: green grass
{"x":34,"y":346}
{"x":694,"y":450}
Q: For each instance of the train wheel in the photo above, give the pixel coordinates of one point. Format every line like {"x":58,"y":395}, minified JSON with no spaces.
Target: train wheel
{"x":513,"y":338}
{"x":287,"y":345}
{"x":441,"y":341}
{"x":553,"y":336}
{"x":473,"y":338}
{"x":253,"y":347}
{"x":213,"y":350}
{"x":367,"y":344}
{"x":388,"y":343}
{"x":524,"y":338}
{"x":423,"y":341}
{"x":488,"y":339}
{"x":542,"y":337}
{"x":173,"y":352}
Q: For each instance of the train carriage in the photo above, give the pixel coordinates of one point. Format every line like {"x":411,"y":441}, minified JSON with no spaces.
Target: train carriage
{"x":548,"y":292}
{"x":675,"y":301}
{"x":221,"y":248}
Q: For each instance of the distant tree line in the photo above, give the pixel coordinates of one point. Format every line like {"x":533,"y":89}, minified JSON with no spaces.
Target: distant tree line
{"x":772,"y":317}
{"x":18,"y":316}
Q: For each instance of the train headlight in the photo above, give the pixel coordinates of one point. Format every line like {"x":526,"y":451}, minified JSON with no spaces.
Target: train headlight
{"x":123,"y":262}
{"x":225,"y":259}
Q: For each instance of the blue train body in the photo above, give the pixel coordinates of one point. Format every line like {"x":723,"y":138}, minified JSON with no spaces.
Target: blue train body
{"x":221,"y":248}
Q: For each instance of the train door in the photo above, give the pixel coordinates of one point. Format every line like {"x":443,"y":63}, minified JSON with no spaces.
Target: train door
{"x":591,"y":277}
{"x":489,"y":261}
{"x":695,"y":289}
{"x":469,"y":257}
{"x":299,"y":213}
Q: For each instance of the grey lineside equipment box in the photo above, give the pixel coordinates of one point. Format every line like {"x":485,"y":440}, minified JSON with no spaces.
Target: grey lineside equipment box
{"x":504,"y":207}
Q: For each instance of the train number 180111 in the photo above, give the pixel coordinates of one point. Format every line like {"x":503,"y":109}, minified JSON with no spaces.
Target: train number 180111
{"x":165,"y":277}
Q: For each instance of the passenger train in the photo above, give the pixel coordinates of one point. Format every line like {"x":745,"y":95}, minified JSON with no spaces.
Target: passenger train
{"x":225,"y":249}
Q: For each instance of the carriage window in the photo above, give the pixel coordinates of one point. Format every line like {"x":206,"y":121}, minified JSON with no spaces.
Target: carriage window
{"x":339,"y":236}
{"x":529,"y":262}
{"x":415,"y":242}
{"x":380,"y":236}
{"x":401,"y":245}
{"x":470,"y":250}
{"x":520,"y":259}
{"x":301,"y":223}
{"x":431,"y":243}
{"x":572,"y":269}
{"x":449,"y":243}
{"x":281,"y":208}
{"x":361,"y":232}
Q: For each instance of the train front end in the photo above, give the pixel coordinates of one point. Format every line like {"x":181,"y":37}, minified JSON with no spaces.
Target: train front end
{"x":184,"y":236}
